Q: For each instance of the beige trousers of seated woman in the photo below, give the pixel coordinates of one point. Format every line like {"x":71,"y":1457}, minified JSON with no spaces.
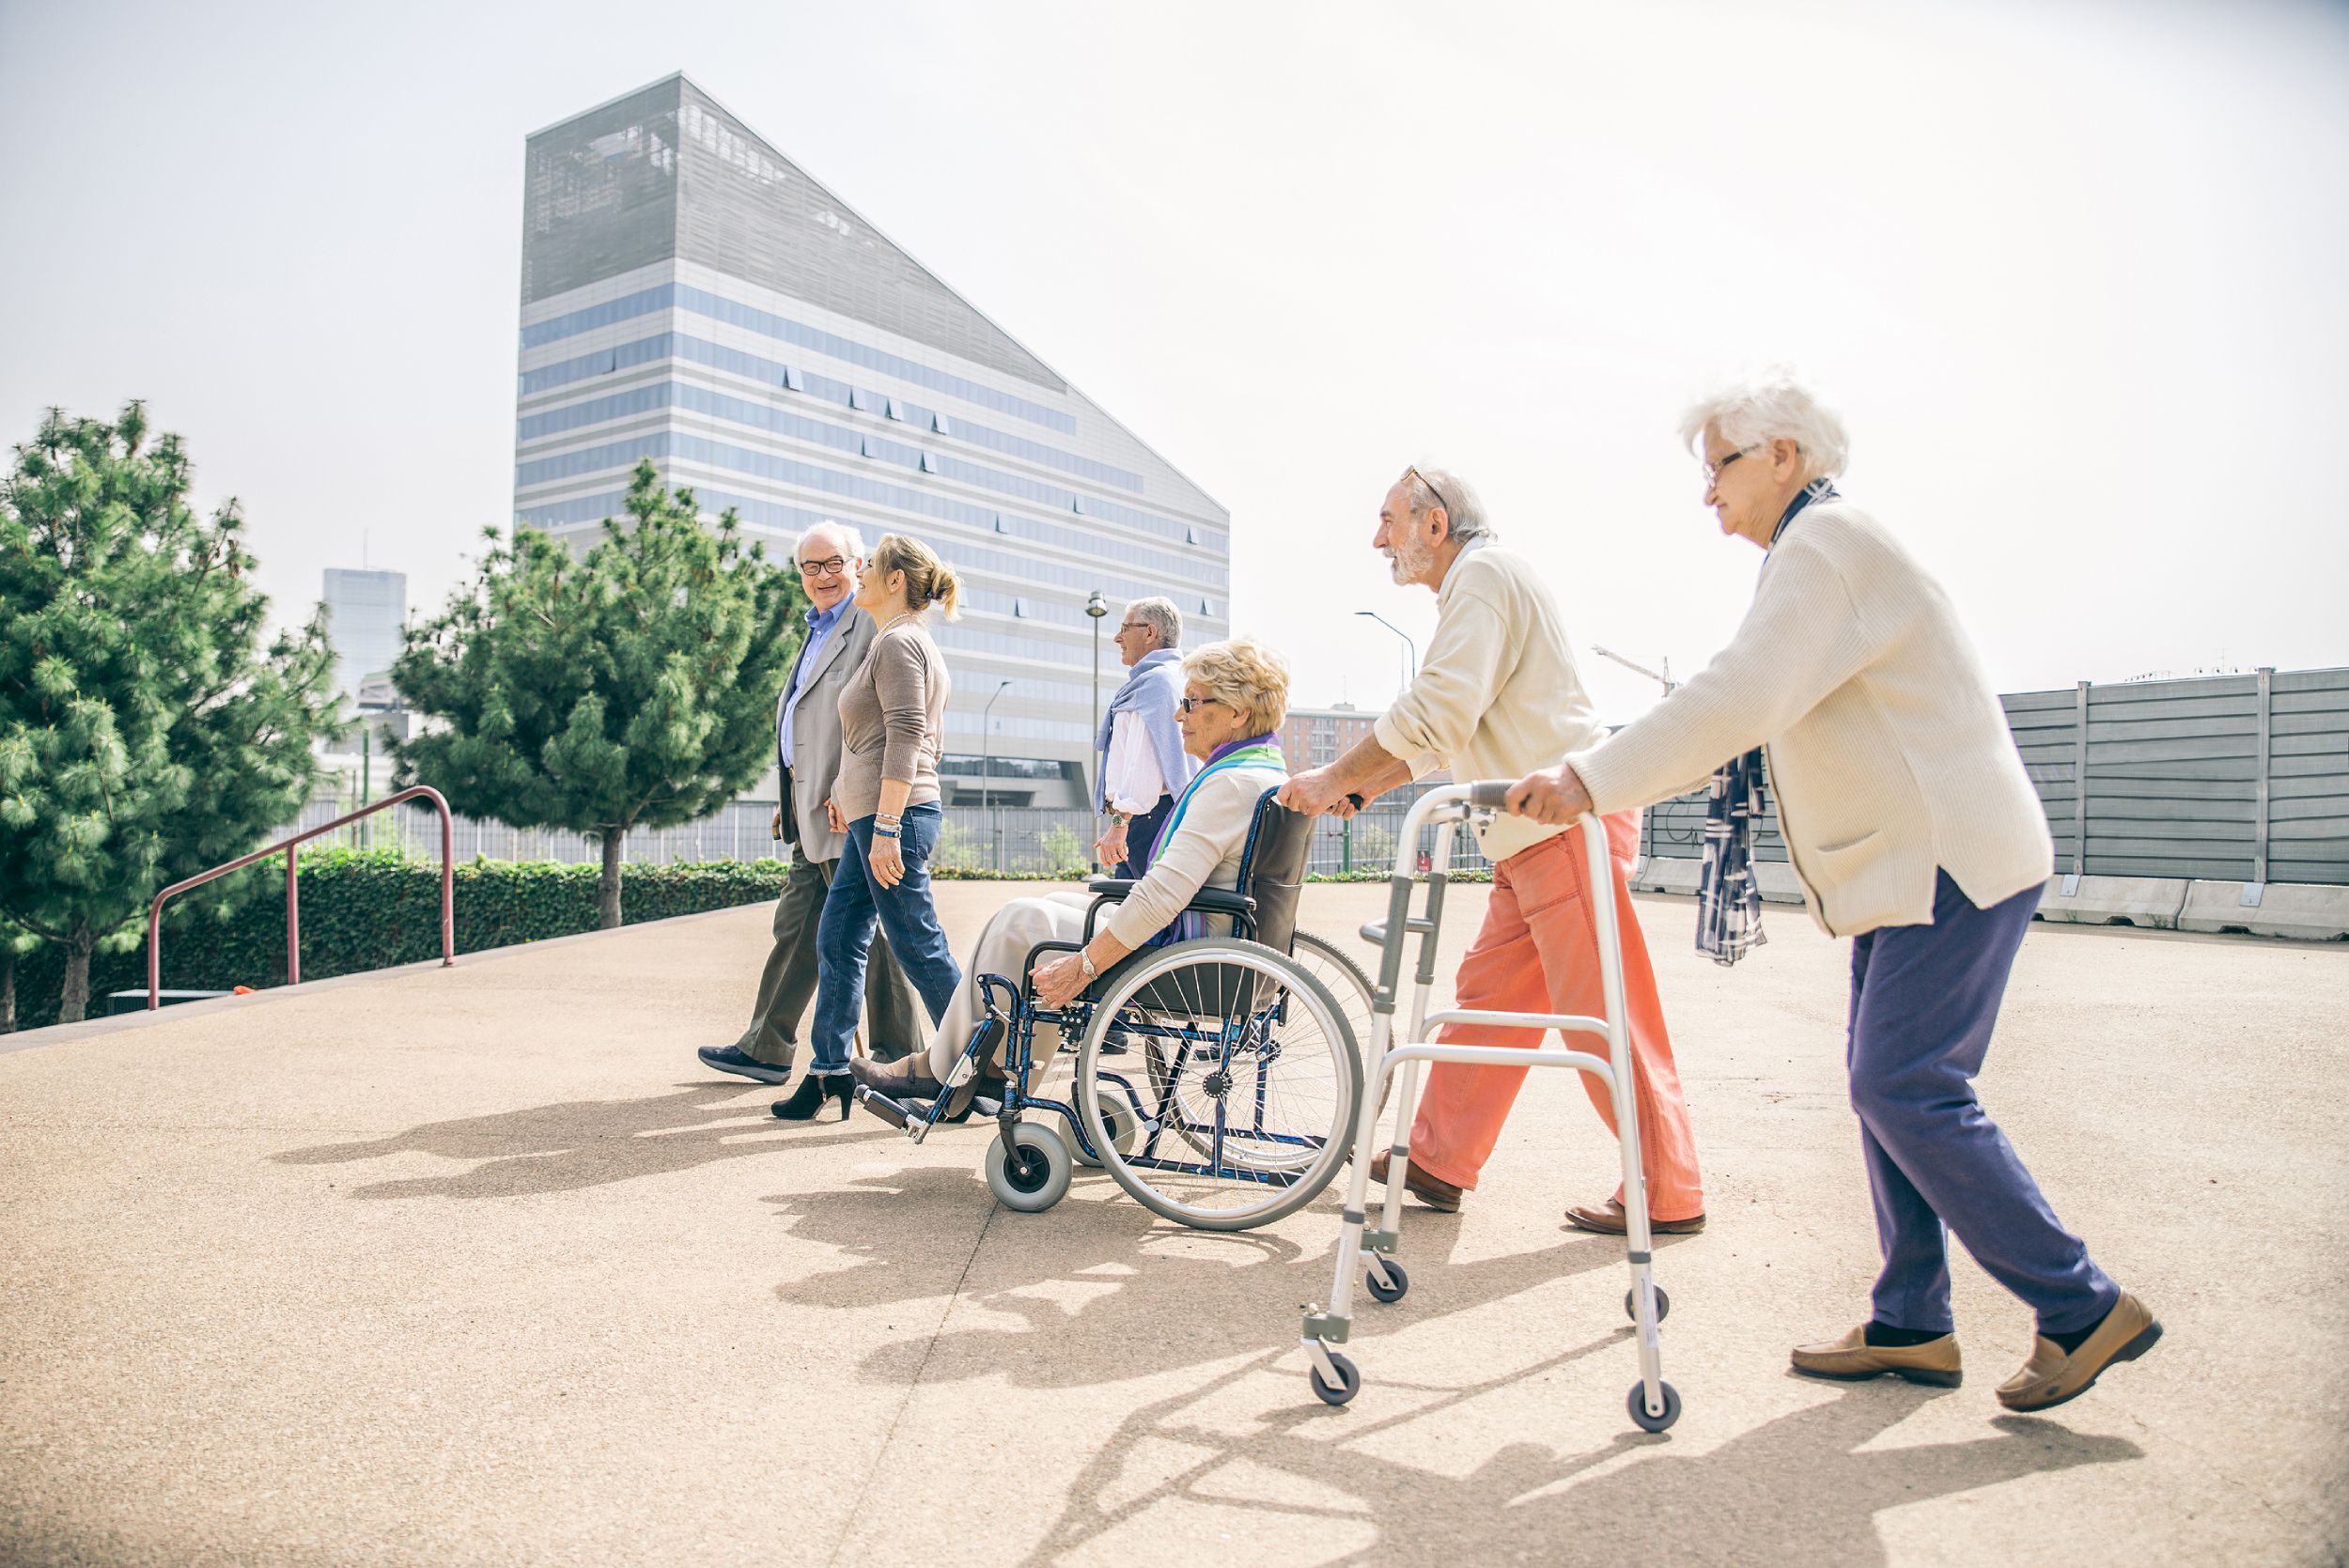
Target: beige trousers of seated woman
{"x":1003,"y":949}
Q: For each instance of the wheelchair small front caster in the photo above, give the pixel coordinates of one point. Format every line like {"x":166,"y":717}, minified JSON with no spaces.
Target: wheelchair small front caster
{"x":1387,"y":1282}
{"x":1034,"y":1177}
{"x":1349,"y":1380}
{"x":1638,"y":1403}
{"x":1631,"y":1305}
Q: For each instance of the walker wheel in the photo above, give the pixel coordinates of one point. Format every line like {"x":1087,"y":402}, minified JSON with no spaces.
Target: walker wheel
{"x":1638,"y":1403}
{"x":1387,"y":1282}
{"x":1349,"y":1381}
{"x":1631,"y":1305}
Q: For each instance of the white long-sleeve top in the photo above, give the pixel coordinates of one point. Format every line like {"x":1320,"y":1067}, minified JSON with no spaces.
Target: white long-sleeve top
{"x":1131,"y":777}
{"x":1204,"y":852}
{"x":1889,"y":750}
{"x":1499,"y":695}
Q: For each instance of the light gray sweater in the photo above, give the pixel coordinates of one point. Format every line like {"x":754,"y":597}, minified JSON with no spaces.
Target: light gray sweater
{"x":893,"y":716}
{"x":1889,"y":750}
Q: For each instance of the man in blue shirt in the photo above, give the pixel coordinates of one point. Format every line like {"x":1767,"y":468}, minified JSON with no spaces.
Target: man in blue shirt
{"x":807,"y":758}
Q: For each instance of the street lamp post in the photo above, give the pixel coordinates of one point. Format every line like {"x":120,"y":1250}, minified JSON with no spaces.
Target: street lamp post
{"x":986,"y":775}
{"x":1409,"y":647}
{"x":1095,"y":607}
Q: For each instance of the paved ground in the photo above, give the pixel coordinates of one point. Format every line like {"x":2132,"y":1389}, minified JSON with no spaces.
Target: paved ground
{"x":478,"y":1267}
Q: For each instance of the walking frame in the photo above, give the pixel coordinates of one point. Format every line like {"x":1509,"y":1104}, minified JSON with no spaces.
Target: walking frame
{"x":1653,"y":1403}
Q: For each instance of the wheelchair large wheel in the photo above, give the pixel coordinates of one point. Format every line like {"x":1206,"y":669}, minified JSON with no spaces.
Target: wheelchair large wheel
{"x":1342,"y":977}
{"x":1248,"y":1090}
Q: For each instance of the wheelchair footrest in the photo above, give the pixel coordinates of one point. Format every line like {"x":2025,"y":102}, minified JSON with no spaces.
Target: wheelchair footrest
{"x":882,"y":1106}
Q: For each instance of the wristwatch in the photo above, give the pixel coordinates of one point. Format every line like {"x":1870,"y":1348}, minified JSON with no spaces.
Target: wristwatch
{"x":1120,"y":818}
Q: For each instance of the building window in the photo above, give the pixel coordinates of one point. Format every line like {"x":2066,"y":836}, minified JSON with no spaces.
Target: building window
{"x":893,"y":411}
{"x":861,"y":400}
{"x":929,"y":463}
{"x":938,"y":423}
{"x":793,"y":380}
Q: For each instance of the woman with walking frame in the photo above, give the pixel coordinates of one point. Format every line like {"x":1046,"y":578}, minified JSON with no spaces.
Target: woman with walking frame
{"x":886,"y":800}
{"x":1914,"y":830}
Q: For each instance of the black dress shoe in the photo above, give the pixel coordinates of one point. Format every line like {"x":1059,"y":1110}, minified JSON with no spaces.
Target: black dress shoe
{"x":815,"y":1088}
{"x":727,"y":1059}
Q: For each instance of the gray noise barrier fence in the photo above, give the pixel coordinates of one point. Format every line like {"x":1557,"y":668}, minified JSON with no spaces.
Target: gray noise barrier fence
{"x":2238,"y":778}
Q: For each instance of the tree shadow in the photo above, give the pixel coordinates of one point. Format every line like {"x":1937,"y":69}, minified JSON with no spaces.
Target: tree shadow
{"x":584,"y":1143}
{"x":1794,"y":1489}
{"x":1103,"y":1292}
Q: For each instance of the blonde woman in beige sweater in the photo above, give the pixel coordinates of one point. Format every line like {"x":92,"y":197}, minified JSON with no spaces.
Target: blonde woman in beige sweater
{"x":1915,"y":833}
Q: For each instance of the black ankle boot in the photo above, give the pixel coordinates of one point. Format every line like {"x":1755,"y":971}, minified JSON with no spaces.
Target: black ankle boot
{"x":808,"y":1099}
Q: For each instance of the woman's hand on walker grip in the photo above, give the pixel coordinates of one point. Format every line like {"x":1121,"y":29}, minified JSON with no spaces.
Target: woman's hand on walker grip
{"x":1554,"y":796}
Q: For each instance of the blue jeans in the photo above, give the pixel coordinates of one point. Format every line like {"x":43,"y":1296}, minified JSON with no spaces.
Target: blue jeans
{"x":844,"y":934}
{"x":1924,"y":999}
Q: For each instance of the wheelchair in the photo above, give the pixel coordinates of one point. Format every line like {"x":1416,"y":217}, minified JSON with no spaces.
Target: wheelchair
{"x":1216,"y":1079}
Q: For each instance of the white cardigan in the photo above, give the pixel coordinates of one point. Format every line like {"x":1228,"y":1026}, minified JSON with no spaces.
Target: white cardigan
{"x":1889,"y":752}
{"x":1204,"y":853}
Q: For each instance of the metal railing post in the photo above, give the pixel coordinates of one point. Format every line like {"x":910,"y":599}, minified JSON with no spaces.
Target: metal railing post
{"x":293,"y":916}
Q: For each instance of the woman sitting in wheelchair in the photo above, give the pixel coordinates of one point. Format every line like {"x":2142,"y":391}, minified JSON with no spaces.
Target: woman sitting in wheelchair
{"x":1235,"y":697}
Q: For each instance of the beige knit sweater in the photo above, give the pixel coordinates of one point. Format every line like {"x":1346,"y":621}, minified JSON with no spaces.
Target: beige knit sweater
{"x":1499,"y":695}
{"x":1889,"y":752}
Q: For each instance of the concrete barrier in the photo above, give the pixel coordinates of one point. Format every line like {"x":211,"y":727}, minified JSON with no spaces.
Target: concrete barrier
{"x":2300,"y":910}
{"x":1679,"y":874}
{"x":2153,"y":902}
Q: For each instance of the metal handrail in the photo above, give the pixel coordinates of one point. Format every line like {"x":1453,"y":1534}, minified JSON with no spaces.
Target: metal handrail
{"x":293,"y":898}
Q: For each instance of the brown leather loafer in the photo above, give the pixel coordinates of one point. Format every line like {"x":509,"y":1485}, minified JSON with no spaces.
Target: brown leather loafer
{"x":1853,"y":1360}
{"x":2054,"y":1374}
{"x":1434,"y":1191}
{"x":1606,"y":1219}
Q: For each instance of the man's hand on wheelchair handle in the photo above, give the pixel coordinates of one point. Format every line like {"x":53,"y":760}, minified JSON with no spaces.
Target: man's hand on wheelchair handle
{"x":1553,"y":797}
{"x":1316,"y":793}
{"x":1057,"y":980}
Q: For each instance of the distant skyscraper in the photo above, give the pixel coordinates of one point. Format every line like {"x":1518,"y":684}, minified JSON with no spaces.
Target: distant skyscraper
{"x":691,"y":296}
{"x":364,"y":611}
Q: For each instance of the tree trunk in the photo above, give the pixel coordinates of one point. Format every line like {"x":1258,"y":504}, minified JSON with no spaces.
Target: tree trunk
{"x":75,"y":1004}
{"x":608,"y":889}
{"x":7,"y":990}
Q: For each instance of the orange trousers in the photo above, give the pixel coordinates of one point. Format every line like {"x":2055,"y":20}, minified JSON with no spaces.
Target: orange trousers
{"x":1538,"y":952}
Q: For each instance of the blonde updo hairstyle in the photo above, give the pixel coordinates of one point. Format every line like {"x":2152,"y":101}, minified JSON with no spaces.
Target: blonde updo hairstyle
{"x":1247,"y":676}
{"x":928,"y":580}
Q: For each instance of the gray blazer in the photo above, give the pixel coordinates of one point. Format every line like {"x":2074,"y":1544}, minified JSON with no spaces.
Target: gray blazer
{"x":815,"y":733}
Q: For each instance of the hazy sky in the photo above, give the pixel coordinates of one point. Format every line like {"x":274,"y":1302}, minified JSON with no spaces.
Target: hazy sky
{"x":2074,"y":271}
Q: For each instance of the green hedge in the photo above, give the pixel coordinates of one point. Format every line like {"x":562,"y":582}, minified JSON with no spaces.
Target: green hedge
{"x":363,"y":911}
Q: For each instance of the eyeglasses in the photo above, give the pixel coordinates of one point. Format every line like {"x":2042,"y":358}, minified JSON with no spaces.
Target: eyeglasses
{"x":1413,"y":473}
{"x":1133,"y":625}
{"x":1189,"y":702}
{"x":1713,"y":470}
{"x":831,"y":565}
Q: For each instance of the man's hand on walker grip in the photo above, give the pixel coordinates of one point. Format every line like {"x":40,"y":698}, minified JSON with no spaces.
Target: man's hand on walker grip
{"x":1554,"y":796}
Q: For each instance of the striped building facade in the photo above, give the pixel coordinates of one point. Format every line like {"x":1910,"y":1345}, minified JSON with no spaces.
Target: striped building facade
{"x":691,"y":297}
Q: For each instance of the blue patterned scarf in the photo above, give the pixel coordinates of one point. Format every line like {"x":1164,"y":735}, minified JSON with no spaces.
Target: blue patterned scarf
{"x":1729,"y":901}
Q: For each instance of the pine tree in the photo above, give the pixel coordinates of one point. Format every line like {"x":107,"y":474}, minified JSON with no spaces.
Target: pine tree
{"x":634,"y":686}
{"x":144,"y":735}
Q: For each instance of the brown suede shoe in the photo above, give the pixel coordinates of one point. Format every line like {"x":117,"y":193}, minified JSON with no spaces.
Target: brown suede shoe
{"x":1853,"y":1360}
{"x":1606,"y":1219}
{"x":1434,"y":1191}
{"x":2054,"y":1374}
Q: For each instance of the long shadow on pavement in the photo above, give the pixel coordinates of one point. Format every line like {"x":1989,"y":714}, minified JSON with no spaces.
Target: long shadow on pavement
{"x":1102,"y":1292}
{"x":584,"y":1143}
{"x":1796,"y":1489}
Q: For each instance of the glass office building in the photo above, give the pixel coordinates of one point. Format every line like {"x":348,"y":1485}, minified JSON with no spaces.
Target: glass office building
{"x":364,"y":611}
{"x":691,"y":296}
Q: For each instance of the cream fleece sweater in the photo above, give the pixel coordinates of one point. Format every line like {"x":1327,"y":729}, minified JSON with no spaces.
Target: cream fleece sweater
{"x":1204,"y":853}
{"x":1499,"y":695}
{"x":1888,"y":749}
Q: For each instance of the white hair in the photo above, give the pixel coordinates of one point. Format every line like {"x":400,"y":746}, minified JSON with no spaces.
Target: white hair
{"x":1772,"y":406}
{"x":1440,"y":487}
{"x":1161,"y":616}
{"x":851,"y":542}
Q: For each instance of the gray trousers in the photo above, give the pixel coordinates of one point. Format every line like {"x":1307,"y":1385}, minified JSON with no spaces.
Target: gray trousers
{"x":893,"y":1025}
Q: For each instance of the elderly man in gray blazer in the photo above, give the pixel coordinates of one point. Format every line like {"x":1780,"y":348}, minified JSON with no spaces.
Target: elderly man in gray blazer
{"x":807,"y":755}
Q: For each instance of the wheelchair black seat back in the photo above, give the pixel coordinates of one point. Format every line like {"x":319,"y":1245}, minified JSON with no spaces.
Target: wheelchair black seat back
{"x":1216,"y":1073}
